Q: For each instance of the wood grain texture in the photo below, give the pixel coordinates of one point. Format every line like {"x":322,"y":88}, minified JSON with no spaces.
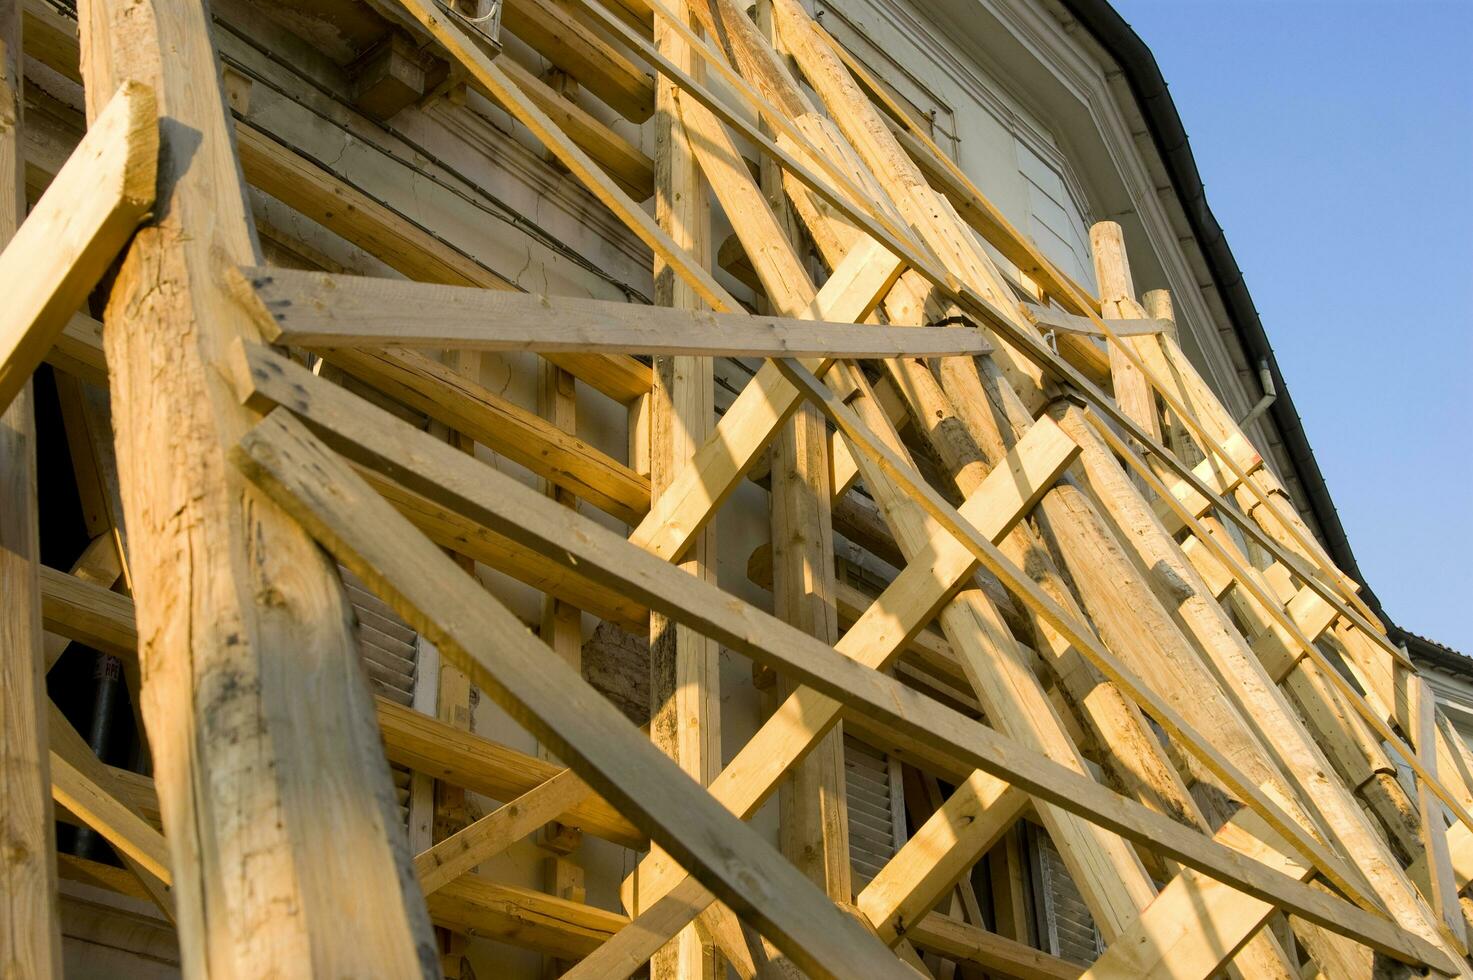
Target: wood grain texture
{"x":318,"y":309}
{"x":258,"y":715}
{"x":543,"y":694}
{"x":910,"y":721}
{"x":30,"y":939}
{"x":76,"y":231}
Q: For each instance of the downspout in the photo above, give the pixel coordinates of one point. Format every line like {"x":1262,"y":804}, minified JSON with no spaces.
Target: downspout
{"x":1270,"y":394}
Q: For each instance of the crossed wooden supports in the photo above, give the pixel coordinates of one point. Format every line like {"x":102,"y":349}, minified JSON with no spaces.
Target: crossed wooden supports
{"x":202,"y":399}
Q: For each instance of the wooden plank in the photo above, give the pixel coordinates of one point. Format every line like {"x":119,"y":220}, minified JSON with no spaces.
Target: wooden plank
{"x":1190,"y":929}
{"x":474,"y":905}
{"x":316,"y":309}
{"x":76,"y":230}
{"x":495,"y":82}
{"x":986,"y":553}
{"x":255,"y":694}
{"x":459,"y":853}
{"x":684,"y":666}
{"x":1133,"y":393}
{"x":88,"y":613}
{"x":555,"y":29}
{"x":968,"y":943}
{"x":1065,"y":322}
{"x":623,"y":160}
{"x":78,"y":350}
{"x":452,"y":531}
{"x":485,"y":639}
{"x":913,"y":722}
{"x":469,"y":407}
{"x":105,"y":814}
{"x":562,"y":630}
{"x":427,"y":745}
{"x":634,"y":943}
{"x":753,"y":419}
{"x":942,"y":850}
{"x":29,"y":933}
{"x":108,"y":801}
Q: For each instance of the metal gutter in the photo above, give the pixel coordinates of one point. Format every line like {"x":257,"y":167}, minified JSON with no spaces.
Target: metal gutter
{"x":1144,"y":78}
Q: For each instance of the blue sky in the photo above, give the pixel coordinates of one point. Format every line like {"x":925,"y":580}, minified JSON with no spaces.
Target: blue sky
{"x":1335,"y":140}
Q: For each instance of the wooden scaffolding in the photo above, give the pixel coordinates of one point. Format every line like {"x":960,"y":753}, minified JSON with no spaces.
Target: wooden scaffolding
{"x":1106,"y":616}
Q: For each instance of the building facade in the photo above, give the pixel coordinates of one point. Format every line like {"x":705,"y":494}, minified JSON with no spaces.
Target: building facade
{"x":1054,"y":109}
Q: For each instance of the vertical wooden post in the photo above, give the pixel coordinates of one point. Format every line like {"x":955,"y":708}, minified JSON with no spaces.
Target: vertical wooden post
{"x":685,"y":667}
{"x":1158,"y":306}
{"x":271,"y":777}
{"x":453,"y":700}
{"x":30,"y":942}
{"x":1117,"y":299}
{"x":815,"y":822}
{"x":1441,"y":891}
{"x":562,"y":630}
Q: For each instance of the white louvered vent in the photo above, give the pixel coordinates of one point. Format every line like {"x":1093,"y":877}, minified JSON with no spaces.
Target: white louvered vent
{"x":1067,"y":928}
{"x":389,"y":651}
{"x":876,"y":831}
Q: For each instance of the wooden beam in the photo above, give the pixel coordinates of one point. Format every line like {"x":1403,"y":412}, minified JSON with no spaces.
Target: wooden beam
{"x":1065,"y":322}
{"x":412,"y":739}
{"x":460,"y":853}
{"x":486,"y":640}
{"x":475,"y":906}
{"x":256,"y":693}
{"x":495,"y":83}
{"x":555,"y":29}
{"x":684,"y":666}
{"x":319,"y":310}
{"x":29,"y":932}
{"x":522,"y":436}
{"x":753,"y":419}
{"x":1133,"y":393}
{"x":79,"y":610}
{"x":915,"y":724}
{"x":76,"y":230}
{"x":623,"y":160}
{"x":971,"y":944}
{"x":101,"y":811}
{"x":107,"y":802}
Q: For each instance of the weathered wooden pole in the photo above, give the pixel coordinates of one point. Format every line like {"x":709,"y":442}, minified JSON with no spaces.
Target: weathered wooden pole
{"x":685,"y":667}
{"x":281,"y":818}
{"x":30,"y":941}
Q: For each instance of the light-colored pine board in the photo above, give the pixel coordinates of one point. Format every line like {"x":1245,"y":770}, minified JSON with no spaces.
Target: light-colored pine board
{"x":75,"y":231}
{"x":485,"y":639}
{"x":919,"y":724}
{"x":321,"y":310}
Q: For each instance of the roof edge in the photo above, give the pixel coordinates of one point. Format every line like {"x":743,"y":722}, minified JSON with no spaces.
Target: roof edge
{"x":1169,"y":135}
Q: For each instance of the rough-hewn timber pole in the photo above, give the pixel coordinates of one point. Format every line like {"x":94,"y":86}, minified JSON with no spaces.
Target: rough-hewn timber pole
{"x":30,"y":943}
{"x":284,"y":837}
